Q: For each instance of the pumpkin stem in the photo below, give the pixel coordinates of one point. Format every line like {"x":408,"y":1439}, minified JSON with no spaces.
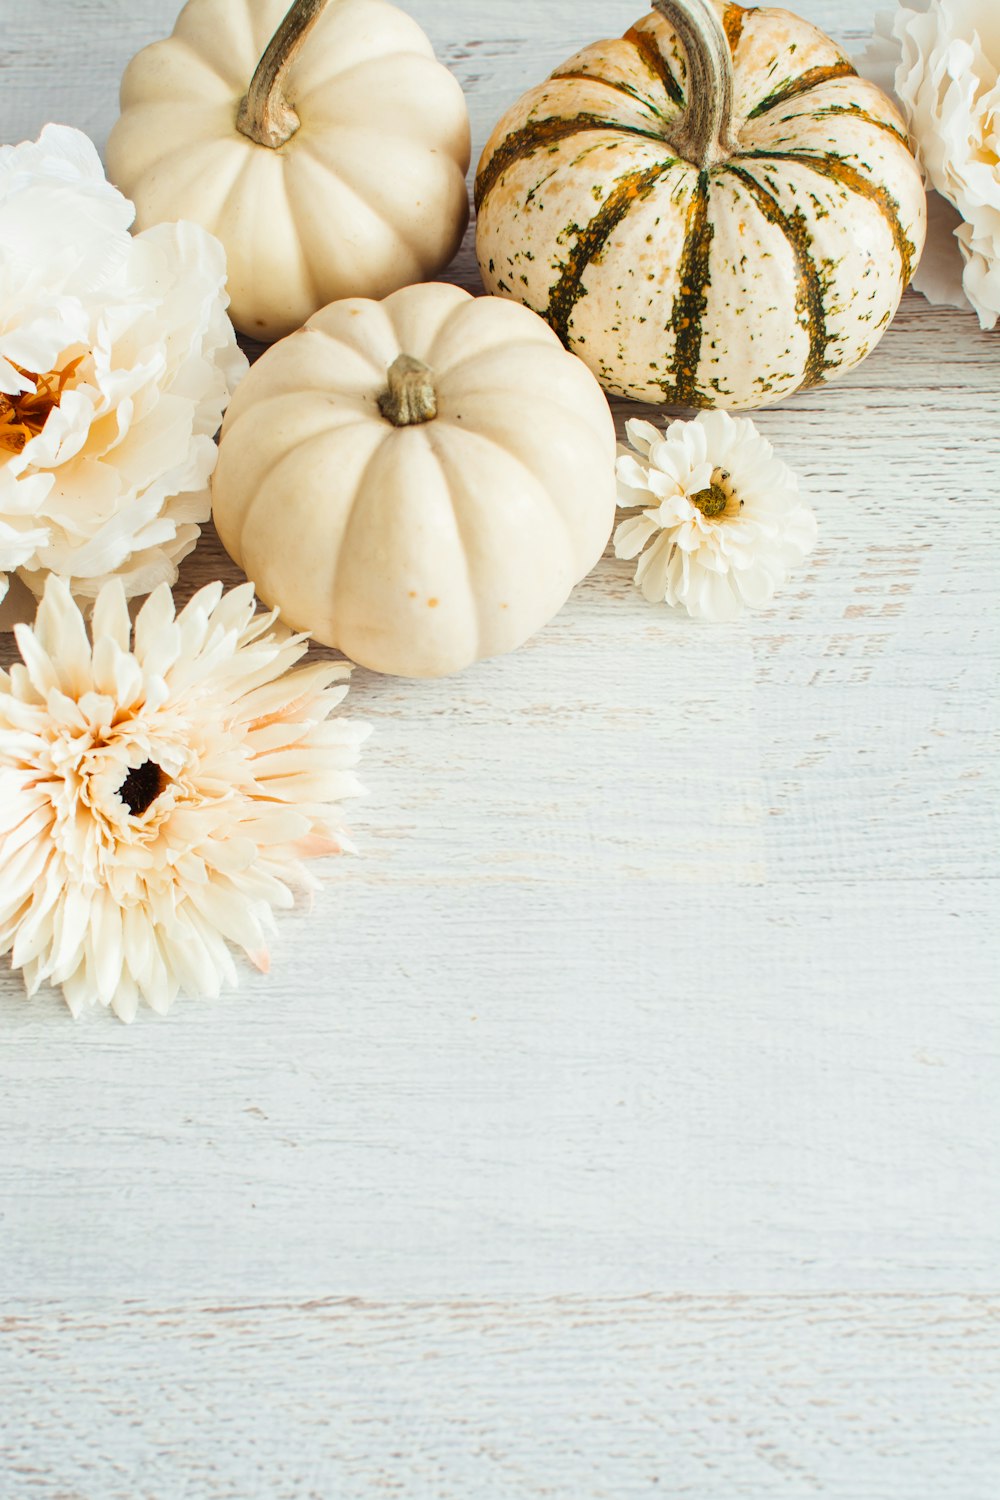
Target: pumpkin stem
{"x":705,"y":133}
{"x":265,"y":115}
{"x":411,"y":397}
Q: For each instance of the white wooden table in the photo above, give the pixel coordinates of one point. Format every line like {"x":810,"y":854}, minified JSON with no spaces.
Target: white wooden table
{"x":625,"y":1122}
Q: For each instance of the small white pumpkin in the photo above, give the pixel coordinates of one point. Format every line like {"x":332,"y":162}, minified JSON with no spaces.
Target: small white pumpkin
{"x":420,"y":481}
{"x":333,"y":165}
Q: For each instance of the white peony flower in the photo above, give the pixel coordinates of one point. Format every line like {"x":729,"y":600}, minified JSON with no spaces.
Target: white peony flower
{"x":117,"y":361}
{"x":947,"y":77}
{"x":159,"y":790}
{"x":722,"y":522}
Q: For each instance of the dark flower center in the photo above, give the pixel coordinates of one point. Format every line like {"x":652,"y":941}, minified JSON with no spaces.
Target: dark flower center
{"x":142,"y":786}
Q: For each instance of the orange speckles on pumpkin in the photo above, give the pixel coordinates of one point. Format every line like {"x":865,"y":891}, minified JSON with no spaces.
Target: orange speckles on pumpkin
{"x":433,"y":603}
{"x":722,"y":300}
{"x":733,"y":21}
{"x":804,"y":83}
{"x":591,"y":240}
{"x":546,"y":134}
{"x":689,"y":307}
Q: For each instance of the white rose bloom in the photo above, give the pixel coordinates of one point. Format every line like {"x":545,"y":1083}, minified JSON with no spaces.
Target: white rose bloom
{"x":947,"y":78}
{"x":117,"y":361}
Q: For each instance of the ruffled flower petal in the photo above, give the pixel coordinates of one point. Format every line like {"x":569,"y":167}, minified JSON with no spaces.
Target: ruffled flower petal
{"x":730,"y":526}
{"x":944,"y":61}
{"x":160,"y":788}
{"x":117,"y":362}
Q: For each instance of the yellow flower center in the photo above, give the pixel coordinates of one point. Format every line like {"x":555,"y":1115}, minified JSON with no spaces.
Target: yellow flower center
{"x":711,"y":502}
{"x":23,"y":416}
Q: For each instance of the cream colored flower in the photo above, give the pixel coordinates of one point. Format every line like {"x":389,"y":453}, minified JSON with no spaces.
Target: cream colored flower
{"x":159,"y":791}
{"x":722,"y":522}
{"x":117,"y":361}
{"x":947,"y":77}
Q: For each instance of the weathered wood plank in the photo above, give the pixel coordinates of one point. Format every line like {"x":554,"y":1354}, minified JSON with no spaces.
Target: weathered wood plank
{"x":618,"y":1399}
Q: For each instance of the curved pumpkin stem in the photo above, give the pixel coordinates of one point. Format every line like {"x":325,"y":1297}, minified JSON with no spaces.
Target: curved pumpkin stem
{"x":705,"y":133}
{"x":265,"y":115}
{"x":411,"y":397}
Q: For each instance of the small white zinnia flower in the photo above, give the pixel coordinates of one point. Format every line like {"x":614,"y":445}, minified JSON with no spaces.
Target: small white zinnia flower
{"x":117,"y":361}
{"x":722,"y":522}
{"x":159,"y":790}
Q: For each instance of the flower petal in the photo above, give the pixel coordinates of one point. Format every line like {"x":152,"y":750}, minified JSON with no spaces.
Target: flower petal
{"x":157,"y":799}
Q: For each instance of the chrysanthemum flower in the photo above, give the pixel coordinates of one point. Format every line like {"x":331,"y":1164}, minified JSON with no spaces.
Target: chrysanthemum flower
{"x":159,"y":791}
{"x":722,"y":522}
{"x":117,"y":361}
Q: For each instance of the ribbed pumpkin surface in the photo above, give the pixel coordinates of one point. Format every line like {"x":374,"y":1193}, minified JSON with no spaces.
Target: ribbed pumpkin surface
{"x":368,"y":195}
{"x":733,"y":284}
{"x":419,"y":549}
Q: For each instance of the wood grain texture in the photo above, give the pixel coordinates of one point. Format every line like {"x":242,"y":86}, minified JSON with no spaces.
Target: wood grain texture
{"x":669,"y":966}
{"x":866,"y":1398}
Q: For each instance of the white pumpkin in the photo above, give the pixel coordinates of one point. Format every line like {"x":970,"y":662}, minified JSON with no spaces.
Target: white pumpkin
{"x":327,"y":152}
{"x":420,"y":481}
{"x":712,"y":210}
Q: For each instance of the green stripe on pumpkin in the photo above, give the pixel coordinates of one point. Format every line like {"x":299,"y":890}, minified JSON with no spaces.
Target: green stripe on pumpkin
{"x":545,"y":134}
{"x":620,"y":87}
{"x":809,"y":283}
{"x":854,"y":111}
{"x":591,"y":239}
{"x":691,"y":301}
{"x":804,"y":84}
{"x":646,"y":45}
{"x":835,"y":169}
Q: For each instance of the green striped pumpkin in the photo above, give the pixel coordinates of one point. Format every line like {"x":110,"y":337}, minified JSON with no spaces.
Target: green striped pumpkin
{"x":713,"y":210}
